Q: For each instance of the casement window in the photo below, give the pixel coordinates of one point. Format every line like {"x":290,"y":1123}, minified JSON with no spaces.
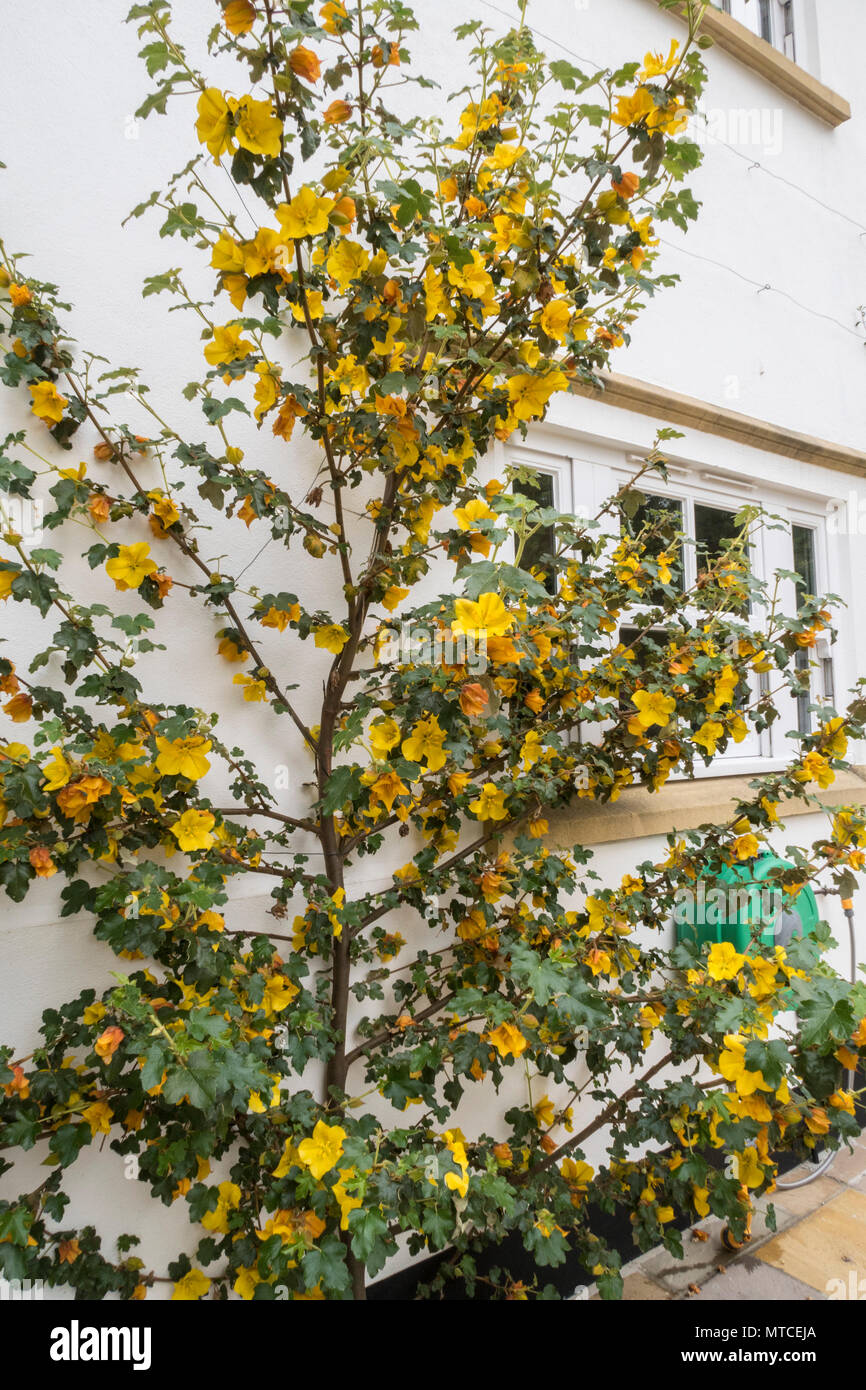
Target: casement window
{"x":547,"y":481}
{"x":808,"y":540}
{"x":772,"y":20}
{"x":706,"y":521}
{"x":702,"y":505}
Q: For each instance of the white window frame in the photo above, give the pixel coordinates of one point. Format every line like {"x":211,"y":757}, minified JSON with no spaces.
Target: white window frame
{"x":782,"y":20}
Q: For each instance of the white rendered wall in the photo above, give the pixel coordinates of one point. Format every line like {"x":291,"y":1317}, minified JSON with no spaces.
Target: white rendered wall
{"x":77,"y":163}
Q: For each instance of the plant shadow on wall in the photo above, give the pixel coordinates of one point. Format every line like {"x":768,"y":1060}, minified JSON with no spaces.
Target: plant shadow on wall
{"x":300,"y":1094}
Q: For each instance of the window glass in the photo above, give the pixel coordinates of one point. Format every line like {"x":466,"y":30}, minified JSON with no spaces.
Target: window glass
{"x":541,"y":546}
{"x":659,"y":521}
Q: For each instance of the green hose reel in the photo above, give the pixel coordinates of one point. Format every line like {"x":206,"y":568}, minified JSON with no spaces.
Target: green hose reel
{"x":743,"y":905}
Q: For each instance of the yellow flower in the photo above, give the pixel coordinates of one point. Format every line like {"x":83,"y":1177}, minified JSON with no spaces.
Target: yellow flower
{"x":508,"y":1040}
{"x":193,"y":830}
{"x":214,"y":124}
{"x":386,"y":789}
{"x":836,"y":741}
{"x":332,"y":637}
{"x":393,"y":596}
{"x":131,"y":565}
{"x":254,"y":691}
{"x":183,"y":757}
{"x":749,"y":1170}
{"x":476,"y":510}
{"x":333,"y":16}
{"x":98,"y":1116}
{"x":732,"y":1066}
{"x":555,"y":319}
{"x":723,"y":691}
{"x":490,"y":805}
{"x":57,"y":771}
{"x":305,"y":215}
{"x":709,"y":734}
{"x":723,"y":962}
{"x":191,"y":1287}
{"x":229,"y":1200}
{"x":530,"y":394}
{"x":337,"y":112}
{"x":545,"y":1112}
{"x":258,"y":129}
{"x":653,"y":707}
{"x":347,"y":1203}
{"x":383,"y":735}
{"x":656,"y":65}
{"x":426,"y":741}
{"x":843,"y":1100}
{"x":320,"y":1153}
{"x":487,"y":618}
{"x":346,"y":262}
{"x":278,"y":995}
{"x":47,"y":402}
{"x":816,"y":768}
{"x":746,"y":846}
{"x":7,"y":576}
{"x":247,"y":1279}
{"x":227,"y":345}
{"x":267,"y":389}
{"x":504,"y":156}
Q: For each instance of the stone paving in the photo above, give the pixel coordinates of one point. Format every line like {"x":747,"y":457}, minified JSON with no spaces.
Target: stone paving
{"x":817,"y":1251}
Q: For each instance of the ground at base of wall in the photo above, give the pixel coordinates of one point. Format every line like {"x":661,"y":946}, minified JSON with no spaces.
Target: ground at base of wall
{"x":817,"y":1252}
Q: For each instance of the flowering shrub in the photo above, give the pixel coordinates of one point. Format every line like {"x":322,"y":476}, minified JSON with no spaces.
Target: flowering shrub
{"x":435,"y":283}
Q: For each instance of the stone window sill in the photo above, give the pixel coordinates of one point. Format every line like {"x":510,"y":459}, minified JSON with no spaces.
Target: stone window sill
{"x":680,"y":806}
{"x":755,"y":53}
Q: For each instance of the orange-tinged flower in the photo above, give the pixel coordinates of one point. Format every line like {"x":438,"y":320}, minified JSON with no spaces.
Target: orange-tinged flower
{"x":627,"y":186}
{"x":19,"y":708}
{"x":473,"y":699}
{"x":99,"y":506}
{"x":239,"y":16}
{"x":337,"y":112}
{"x":108,"y":1042}
{"x":77,"y":798}
{"x":19,"y":1085}
{"x":42,"y":863}
{"x":305,"y":63}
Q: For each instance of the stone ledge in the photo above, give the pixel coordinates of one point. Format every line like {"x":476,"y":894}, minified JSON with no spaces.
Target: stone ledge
{"x":755,"y":53}
{"x":660,"y":403}
{"x":679,"y":806}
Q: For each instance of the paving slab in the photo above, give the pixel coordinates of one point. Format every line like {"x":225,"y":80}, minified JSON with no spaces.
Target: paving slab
{"x":701,"y":1259}
{"x":849,"y":1166}
{"x":752,"y":1280}
{"x":800,"y":1201}
{"x":825,"y":1246}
